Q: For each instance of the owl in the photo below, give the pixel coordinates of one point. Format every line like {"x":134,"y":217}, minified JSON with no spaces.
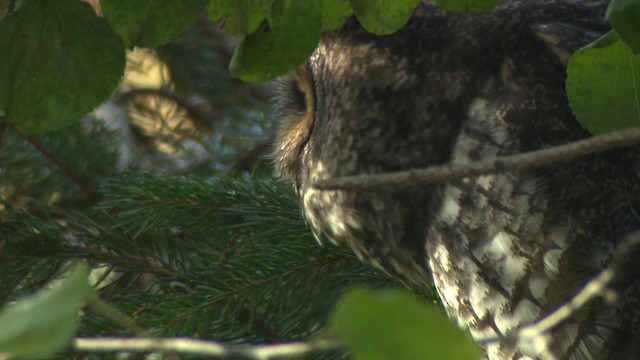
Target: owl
{"x":503,"y":249}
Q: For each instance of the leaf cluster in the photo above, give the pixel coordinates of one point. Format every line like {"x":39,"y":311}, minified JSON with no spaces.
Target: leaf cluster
{"x":603,"y":78}
{"x":51,"y":48}
{"x":59,"y":44}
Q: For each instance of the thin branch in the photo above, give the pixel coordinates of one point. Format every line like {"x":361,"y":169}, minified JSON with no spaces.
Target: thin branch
{"x":442,"y":173}
{"x":209,"y":348}
{"x":260,"y":323}
{"x":599,"y":286}
{"x":115,"y":315}
{"x":249,"y":158}
{"x":90,"y":192}
{"x":127,"y":261}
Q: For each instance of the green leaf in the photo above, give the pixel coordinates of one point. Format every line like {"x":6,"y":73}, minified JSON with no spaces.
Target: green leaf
{"x":624,"y":15}
{"x":150,"y":23}
{"x":472,"y":6}
{"x":383,"y":17}
{"x":396,"y":325}
{"x":241,"y":17}
{"x":44,"y":323}
{"x":335,"y":13}
{"x":292,"y":34}
{"x":602,"y":86}
{"x":605,"y":40}
{"x":58,"y":61}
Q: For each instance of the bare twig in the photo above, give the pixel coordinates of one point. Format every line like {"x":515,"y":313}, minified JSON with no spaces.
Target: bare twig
{"x":90,"y":192}
{"x":442,"y":173}
{"x":598,"y":286}
{"x":249,"y":158}
{"x":260,"y":323}
{"x":115,"y":315}
{"x":210,"y":348}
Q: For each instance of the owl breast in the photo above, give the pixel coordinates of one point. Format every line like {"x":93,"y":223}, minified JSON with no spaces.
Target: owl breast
{"x":489,"y":248}
{"x":503,"y":249}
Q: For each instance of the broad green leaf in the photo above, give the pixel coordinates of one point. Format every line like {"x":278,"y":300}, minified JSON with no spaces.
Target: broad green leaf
{"x":45,"y":322}
{"x":387,"y":325}
{"x":605,"y":40}
{"x":383,"y":17}
{"x":240,"y":16}
{"x":150,"y":23}
{"x":472,"y":6}
{"x":603,"y":87}
{"x":335,"y":13}
{"x":624,"y":17}
{"x":289,"y":38}
{"x":58,"y":61}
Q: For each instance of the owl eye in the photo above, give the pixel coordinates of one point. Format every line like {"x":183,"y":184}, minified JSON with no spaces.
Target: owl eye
{"x":298,"y":98}
{"x":295,"y":109}
{"x":294,"y":94}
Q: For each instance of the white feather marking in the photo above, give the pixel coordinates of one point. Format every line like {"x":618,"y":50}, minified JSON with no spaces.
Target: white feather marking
{"x":525,"y":312}
{"x":500,"y":255}
{"x":486,"y":181}
{"x":451,"y":205}
{"x":538,"y":286}
{"x":493,"y":351}
{"x":448,"y":291}
{"x":558,"y":235}
{"x":482,"y":300}
{"x":552,"y":262}
{"x":478,"y":297}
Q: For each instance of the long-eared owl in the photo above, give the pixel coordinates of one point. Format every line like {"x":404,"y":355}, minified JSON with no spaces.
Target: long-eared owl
{"x":503,"y":249}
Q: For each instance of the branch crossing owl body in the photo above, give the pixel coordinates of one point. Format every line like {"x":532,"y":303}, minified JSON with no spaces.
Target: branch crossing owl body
{"x":502,"y":249}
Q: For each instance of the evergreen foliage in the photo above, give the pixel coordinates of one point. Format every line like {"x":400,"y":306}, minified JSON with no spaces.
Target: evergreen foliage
{"x":218,"y":258}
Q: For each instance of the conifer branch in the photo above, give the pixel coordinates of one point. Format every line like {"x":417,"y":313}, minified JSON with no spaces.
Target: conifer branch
{"x":321,"y":261}
{"x":90,"y":192}
{"x":125,"y":261}
{"x":260,"y":323}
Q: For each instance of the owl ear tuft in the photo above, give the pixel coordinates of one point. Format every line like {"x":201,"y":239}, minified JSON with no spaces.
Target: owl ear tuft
{"x":564,"y":39}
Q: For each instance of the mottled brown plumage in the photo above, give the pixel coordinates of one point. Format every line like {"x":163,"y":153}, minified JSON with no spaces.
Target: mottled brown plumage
{"x":503,"y":249}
